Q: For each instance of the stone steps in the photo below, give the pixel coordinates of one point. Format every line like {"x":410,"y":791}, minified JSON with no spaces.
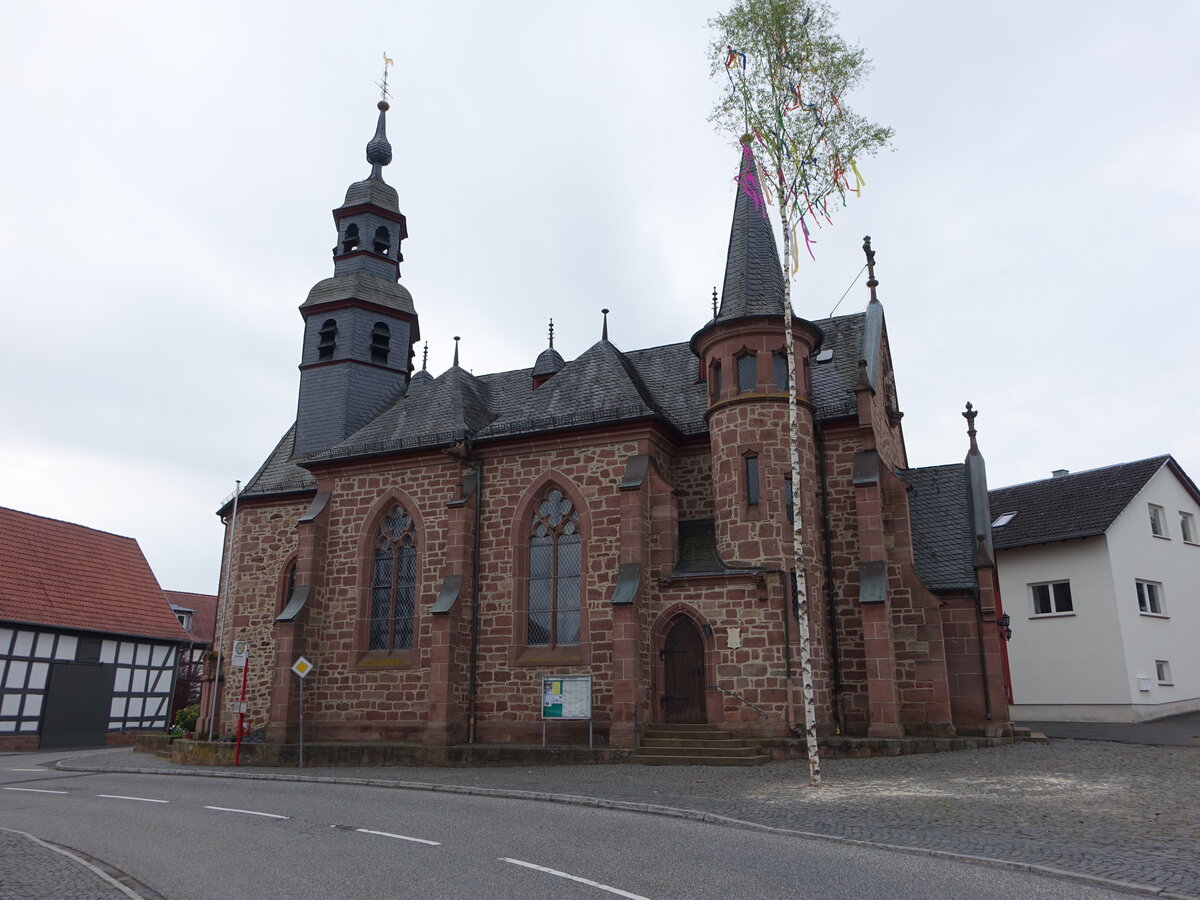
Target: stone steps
{"x":697,"y":745}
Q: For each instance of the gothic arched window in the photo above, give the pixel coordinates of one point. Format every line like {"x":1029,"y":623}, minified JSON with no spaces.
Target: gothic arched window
{"x":554,"y":572}
{"x":714,"y":381}
{"x":394,"y":583}
{"x":351,"y":241}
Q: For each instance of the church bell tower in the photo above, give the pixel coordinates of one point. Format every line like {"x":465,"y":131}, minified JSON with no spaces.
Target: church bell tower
{"x":360,"y":326}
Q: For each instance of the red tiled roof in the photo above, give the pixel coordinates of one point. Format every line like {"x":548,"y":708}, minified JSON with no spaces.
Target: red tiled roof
{"x":204,"y":613}
{"x":68,"y":576}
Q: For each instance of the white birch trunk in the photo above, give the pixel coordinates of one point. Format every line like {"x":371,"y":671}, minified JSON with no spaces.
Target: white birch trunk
{"x":806,"y":669}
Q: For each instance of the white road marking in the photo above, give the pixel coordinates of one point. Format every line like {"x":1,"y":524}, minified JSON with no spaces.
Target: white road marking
{"x":248,"y":812}
{"x":399,"y":837}
{"x":122,"y":797}
{"x":587,"y":881}
{"x":35,"y":791}
{"x":83,"y":862}
{"x":27,"y":770}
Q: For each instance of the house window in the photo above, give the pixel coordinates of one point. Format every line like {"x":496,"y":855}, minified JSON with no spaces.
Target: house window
{"x":381,"y":337}
{"x":789,"y":500}
{"x":747,"y":372}
{"x":1163,"y":669}
{"x":1187,"y":527}
{"x":554,"y":573}
{"x":1051,"y":598}
{"x":327,"y":339}
{"x":752,"y":487}
{"x":394,"y":583}
{"x":780,"y":367}
{"x":1150,"y":599}
{"x":1158,"y":521}
{"x":185,"y":618}
{"x":714,"y":381}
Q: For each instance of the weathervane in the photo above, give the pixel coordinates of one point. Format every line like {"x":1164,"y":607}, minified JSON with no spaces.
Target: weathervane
{"x":384,"y":93}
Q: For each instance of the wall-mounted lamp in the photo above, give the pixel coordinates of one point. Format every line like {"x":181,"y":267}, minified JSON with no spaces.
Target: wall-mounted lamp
{"x":1004,"y":623}
{"x":707,"y":629}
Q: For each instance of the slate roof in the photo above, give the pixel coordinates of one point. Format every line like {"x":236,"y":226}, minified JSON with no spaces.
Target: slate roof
{"x":943,"y":546}
{"x":68,"y":576}
{"x":362,"y":286}
{"x":204,"y":613}
{"x":603,"y":385}
{"x":1078,"y":505}
{"x":753,"y":277}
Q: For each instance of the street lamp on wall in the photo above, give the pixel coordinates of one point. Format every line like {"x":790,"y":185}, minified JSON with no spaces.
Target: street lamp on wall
{"x":1004,"y":623}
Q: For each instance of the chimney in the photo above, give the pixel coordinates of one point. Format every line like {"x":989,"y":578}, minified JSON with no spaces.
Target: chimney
{"x":1059,"y":473}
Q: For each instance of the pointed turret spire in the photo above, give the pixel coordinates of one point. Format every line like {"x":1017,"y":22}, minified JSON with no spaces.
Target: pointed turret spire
{"x":604,"y":333}
{"x":425,"y":358}
{"x":548,"y":362}
{"x":456,"y":340}
{"x":753,"y":277}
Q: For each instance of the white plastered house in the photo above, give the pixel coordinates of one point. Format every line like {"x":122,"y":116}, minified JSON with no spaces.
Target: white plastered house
{"x":1100,"y":574}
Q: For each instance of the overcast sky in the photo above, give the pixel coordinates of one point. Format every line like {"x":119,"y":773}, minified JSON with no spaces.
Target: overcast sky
{"x":168,"y":171}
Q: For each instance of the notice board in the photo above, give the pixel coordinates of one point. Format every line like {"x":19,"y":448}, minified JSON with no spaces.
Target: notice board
{"x":566,"y":696}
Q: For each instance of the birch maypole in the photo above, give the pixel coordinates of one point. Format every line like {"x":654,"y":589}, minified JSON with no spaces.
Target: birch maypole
{"x":788,"y":73}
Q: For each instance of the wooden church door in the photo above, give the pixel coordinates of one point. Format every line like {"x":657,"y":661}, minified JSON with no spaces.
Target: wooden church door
{"x":683,"y":674}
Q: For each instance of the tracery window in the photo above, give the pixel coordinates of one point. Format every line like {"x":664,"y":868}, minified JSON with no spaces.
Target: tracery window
{"x":554,"y":572}
{"x":394,"y":583}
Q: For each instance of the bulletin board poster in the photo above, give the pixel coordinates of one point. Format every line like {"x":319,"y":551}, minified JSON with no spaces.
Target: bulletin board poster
{"x":567,"y":697}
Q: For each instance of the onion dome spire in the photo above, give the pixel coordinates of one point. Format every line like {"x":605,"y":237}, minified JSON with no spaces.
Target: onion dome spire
{"x":379,"y":151}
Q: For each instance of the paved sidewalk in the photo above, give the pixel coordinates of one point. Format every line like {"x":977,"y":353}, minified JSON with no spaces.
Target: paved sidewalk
{"x":1175,"y":731}
{"x":35,"y":870}
{"x":1115,"y":811}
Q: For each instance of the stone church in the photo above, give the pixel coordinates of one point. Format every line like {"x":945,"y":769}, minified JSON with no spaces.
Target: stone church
{"x":437,"y":546}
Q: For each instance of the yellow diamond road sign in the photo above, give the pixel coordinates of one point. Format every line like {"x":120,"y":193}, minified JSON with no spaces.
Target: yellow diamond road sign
{"x":302,"y":667}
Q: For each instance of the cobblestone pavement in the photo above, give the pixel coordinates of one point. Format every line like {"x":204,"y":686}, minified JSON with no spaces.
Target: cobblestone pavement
{"x":34,"y":871}
{"x":1116,"y":811}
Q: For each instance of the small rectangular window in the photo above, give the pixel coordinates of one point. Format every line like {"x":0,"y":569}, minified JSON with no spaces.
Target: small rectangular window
{"x":780,"y":366}
{"x":790,"y":500}
{"x":1150,"y":600}
{"x":1052,"y":598}
{"x":1187,"y":527}
{"x":1163,"y":669}
{"x":747,"y":373}
{"x":1158,"y":521}
{"x":752,"y":479}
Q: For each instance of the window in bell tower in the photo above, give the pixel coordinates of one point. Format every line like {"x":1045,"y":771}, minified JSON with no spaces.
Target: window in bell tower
{"x":381,"y":337}
{"x":327,"y":340}
{"x":351,"y":241}
{"x":383,"y":241}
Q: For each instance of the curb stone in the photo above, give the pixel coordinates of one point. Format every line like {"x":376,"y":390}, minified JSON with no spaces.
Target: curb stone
{"x":650,"y":809}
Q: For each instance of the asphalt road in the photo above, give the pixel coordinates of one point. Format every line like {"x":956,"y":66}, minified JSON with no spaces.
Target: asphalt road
{"x":199,"y":838}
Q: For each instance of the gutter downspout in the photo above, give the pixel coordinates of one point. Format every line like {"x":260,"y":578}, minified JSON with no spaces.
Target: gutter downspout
{"x":473,"y":678}
{"x":983,"y":669}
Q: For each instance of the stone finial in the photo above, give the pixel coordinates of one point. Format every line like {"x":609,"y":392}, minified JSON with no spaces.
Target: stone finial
{"x":872,"y":281}
{"x":551,"y":334}
{"x":604,"y":333}
{"x":970,"y":415}
{"x":714,"y":301}
{"x":456,"y":340}
{"x":425,"y":358}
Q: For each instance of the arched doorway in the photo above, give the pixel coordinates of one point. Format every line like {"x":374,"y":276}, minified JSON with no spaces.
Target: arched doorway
{"x":683,"y":673}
